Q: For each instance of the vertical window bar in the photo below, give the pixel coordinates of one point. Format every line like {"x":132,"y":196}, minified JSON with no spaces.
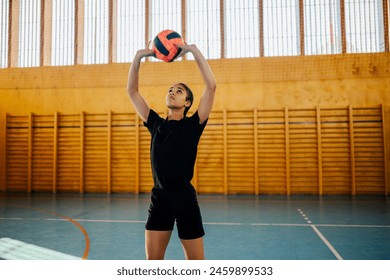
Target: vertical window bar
{"x":301,"y":27}
{"x":35,"y":54}
{"x":110,"y":31}
{"x":62,"y":30}
{"x":285,"y":26}
{"x":54,"y":41}
{"x":386,"y":39}
{"x":343,"y":23}
{"x":4,"y":35}
{"x":88,"y":32}
{"x":55,"y":38}
{"x":223,"y":28}
{"x":261,"y":27}
{"x":21,"y":41}
{"x":147,"y":21}
{"x":31,"y":37}
{"x":120,"y":27}
{"x":104,"y":25}
{"x":36,"y":34}
{"x":68,"y":57}
{"x":76,"y":29}
{"x":329,"y":48}
{"x":40,"y":39}
{"x":102,"y":36}
{"x":27,"y":33}
{"x":67,"y":41}
{"x":368,"y":16}
{"x":184,"y":17}
{"x":71,"y":32}
{"x":379,"y":8}
{"x":97,"y":38}
{"x":283,"y":17}
{"x":21,"y":17}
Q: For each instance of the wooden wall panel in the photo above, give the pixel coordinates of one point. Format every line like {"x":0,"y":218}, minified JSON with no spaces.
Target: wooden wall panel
{"x":303,"y":151}
{"x":95,"y":153}
{"x":69,"y":152}
{"x":271,"y":154}
{"x":369,"y":150}
{"x":240,"y":152}
{"x":336,"y":154}
{"x":43,"y":144}
{"x":17,"y":157}
{"x":209,"y":175}
{"x":123,"y":153}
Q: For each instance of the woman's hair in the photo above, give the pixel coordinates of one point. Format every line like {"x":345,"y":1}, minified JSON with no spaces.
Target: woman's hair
{"x":190,"y":97}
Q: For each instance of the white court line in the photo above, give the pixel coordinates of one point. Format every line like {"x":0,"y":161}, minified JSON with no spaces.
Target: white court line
{"x":323,"y":238}
{"x":320,"y":225}
{"x":357,"y":226}
{"x":327,"y":243}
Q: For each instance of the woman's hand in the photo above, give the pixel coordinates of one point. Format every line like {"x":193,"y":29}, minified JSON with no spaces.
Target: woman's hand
{"x":185,"y":49}
{"x":144,"y":53}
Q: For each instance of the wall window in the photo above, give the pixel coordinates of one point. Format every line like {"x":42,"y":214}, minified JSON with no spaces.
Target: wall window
{"x":281,"y":27}
{"x":29,"y":33}
{"x":96,"y":31}
{"x":322,"y":27}
{"x":131,"y":28}
{"x":242,"y":37}
{"x":63,"y":32}
{"x":203,"y":26}
{"x":364,"y":26}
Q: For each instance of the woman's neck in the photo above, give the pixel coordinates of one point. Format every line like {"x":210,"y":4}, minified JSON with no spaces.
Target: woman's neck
{"x":176,"y":115}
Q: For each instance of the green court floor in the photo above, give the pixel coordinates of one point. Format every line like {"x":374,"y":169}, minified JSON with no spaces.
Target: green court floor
{"x":238,"y":227}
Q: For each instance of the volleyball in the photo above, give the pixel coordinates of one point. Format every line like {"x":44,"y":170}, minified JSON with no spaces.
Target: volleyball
{"x":164,"y":45}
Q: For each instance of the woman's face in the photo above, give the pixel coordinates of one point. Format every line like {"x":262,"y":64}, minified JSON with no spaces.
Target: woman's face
{"x":176,"y":97}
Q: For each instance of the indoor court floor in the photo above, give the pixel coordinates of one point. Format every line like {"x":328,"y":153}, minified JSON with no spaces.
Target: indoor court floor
{"x":238,"y":227}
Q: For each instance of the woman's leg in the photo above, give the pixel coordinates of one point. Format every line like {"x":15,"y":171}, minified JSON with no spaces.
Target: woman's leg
{"x":156,"y":242}
{"x":193,"y":248}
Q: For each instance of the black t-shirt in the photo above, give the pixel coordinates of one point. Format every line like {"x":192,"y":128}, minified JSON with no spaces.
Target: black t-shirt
{"x":173,"y":149}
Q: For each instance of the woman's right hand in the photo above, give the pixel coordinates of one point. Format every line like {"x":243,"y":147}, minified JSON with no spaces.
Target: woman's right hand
{"x":145,"y":53}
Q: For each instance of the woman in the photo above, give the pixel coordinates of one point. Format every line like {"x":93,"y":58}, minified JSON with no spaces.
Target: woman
{"x":173,"y":154}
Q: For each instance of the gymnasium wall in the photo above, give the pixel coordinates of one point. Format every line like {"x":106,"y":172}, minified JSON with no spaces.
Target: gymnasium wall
{"x":301,"y":103}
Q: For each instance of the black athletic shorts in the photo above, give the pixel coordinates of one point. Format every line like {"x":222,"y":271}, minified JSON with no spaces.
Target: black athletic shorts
{"x":177,"y":204}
